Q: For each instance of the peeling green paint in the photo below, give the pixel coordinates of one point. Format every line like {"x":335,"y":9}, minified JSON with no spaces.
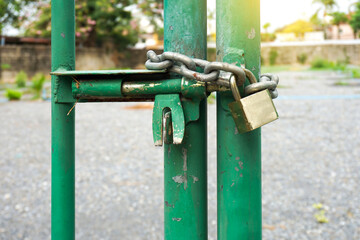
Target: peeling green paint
{"x":239,"y":182}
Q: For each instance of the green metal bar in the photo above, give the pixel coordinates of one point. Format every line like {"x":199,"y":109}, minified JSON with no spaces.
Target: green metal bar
{"x":62,"y":126}
{"x":239,"y":155}
{"x":119,"y":88}
{"x":108,"y":73}
{"x":185,"y":170}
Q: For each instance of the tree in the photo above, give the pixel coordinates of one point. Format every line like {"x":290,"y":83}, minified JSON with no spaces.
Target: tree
{"x":326,"y":5}
{"x":100,"y":20}
{"x":299,"y":27}
{"x":11,"y":12}
{"x":266,"y":26}
{"x":339,"y":18}
{"x":355,"y":20}
{"x":318,"y":25}
{"x":267,"y":37}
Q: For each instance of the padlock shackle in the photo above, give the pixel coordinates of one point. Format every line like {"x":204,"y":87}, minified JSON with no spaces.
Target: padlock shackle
{"x":234,"y":88}
{"x":250,"y":76}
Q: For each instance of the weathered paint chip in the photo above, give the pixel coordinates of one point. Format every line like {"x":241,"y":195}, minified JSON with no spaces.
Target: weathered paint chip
{"x":195,"y":179}
{"x":179,"y":179}
{"x":251,"y":34}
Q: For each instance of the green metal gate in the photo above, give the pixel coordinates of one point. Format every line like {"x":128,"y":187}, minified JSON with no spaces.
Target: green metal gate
{"x":238,"y":155}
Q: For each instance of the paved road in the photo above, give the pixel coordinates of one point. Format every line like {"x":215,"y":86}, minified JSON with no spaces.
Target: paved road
{"x":311,"y":155}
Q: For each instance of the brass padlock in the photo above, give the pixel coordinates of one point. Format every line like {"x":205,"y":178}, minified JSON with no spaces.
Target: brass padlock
{"x":252,"y":111}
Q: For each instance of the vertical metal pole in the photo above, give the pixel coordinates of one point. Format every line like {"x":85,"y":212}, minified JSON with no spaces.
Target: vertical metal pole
{"x":185,"y":170}
{"x":239,"y":155}
{"x":62,"y":126}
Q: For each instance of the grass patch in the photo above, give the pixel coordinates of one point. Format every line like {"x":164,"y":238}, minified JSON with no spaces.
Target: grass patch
{"x":21,"y":79}
{"x":282,"y":68}
{"x":355,"y":73}
{"x":13,"y":94}
{"x":37,"y":84}
{"x":211,"y":98}
{"x":342,"y":83}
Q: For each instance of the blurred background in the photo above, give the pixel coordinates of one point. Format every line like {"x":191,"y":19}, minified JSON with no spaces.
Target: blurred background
{"x":311,"y":155}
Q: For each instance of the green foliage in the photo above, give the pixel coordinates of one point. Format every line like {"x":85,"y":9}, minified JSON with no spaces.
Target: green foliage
{"x":282,"y":68}
{"x":38,"y":83}
{"x":316,"y":22}
{"x":355,"y":19}
{"x":319,"y":63}
{"x":5,"y":66}
{"x":273,"y":56}
{"x":355,"y":73}
{"x":302,"y":58}
{"x":12,"y":12}
{"x":98,"y":21}
{"x":13,"y":94}
{"x":262,"y":60}
{"x":320,"y":217}
{"x":318,"y":206}
{"x":21,"y":79}
{"x":326,"y":5}
{"x":266,"y":26}
{"x":338,"y":18}
{"x":342,"y":83}
{"x":340,"y":65}
{"x":211,"y":54}
{"x":211,"y":98}
{"x":320,"y":214}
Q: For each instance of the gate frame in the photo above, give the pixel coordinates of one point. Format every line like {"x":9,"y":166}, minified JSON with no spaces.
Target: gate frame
{"x":238,"y":156}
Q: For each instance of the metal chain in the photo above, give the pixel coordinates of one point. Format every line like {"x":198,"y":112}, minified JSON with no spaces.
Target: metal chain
{"x":212,"y":71}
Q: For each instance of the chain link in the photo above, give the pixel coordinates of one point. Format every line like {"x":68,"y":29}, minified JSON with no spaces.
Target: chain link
{"x":212,"y":71}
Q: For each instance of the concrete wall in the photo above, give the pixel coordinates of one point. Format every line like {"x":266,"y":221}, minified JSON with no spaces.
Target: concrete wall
{"x":33,"y":59}
{"x":330,"y":50}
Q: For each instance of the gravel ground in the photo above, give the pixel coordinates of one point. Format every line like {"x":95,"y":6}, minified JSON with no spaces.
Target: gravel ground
{"x":311,"y":155}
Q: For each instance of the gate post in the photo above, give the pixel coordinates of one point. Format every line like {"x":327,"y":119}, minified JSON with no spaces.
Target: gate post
{"x":238,"y":155}
{"x":185,"y":165}
{"x":62,"y":125}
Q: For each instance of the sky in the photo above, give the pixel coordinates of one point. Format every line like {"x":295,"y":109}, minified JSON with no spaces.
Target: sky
{"x":281,"y":12}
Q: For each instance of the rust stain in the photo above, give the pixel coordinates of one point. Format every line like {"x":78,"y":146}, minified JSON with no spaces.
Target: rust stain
{"x":241,"y":164}
{"x":269,"y":227}
{"x":140,"y":106}
{"x":169,"y":205}
{"x":236,"y":130}
{"x":184,"y":151}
